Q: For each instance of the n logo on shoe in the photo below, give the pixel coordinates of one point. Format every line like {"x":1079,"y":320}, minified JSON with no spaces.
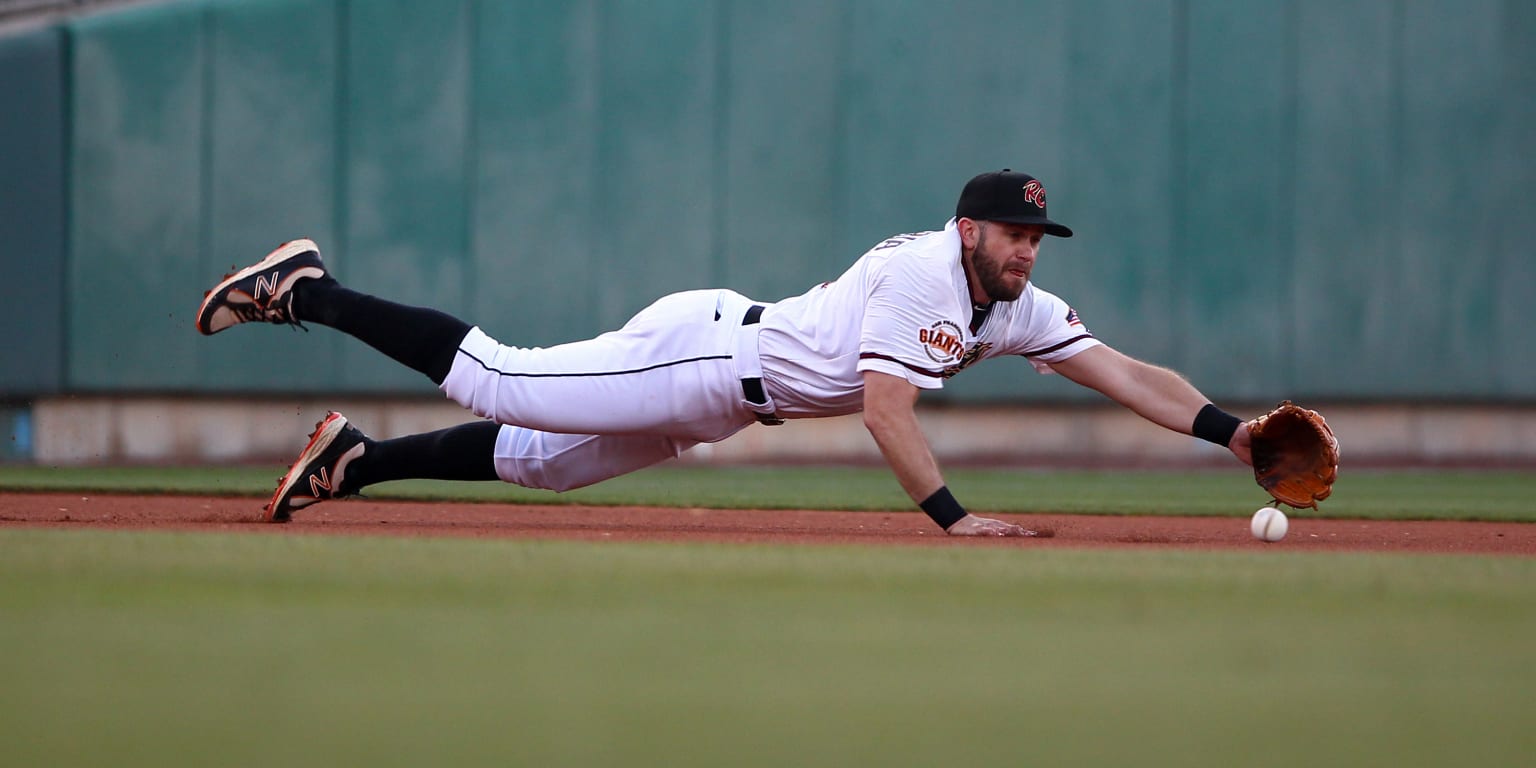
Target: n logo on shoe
{"x":269,"y":283}
{"x":318,"y":481}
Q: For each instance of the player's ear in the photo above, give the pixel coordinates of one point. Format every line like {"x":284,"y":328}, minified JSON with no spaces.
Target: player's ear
{"x":970,"y":232}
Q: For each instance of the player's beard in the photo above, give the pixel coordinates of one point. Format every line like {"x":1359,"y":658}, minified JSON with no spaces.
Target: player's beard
{"x":992,"y":272}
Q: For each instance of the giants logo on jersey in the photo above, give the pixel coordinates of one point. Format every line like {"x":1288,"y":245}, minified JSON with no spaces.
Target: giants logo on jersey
{"x":942,"y":341}
{"x":1034,"y":192}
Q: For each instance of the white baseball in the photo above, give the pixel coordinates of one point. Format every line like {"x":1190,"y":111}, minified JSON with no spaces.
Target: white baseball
{"x":1269,"y":524}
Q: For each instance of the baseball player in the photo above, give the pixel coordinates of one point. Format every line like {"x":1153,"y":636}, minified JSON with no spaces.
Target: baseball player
{"x":699,"y":366}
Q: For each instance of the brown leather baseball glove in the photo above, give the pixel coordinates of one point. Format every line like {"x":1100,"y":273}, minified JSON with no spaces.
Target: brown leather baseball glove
{"x":1295,"y":455}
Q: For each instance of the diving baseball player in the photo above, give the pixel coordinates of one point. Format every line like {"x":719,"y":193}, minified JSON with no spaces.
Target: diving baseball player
{"x":699,"y":366}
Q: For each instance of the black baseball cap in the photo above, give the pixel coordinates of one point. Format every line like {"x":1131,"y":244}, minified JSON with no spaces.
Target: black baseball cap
{"x":1007,"y":195}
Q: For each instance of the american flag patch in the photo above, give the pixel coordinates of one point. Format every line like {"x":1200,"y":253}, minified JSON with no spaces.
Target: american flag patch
{"x":1072,"y":317}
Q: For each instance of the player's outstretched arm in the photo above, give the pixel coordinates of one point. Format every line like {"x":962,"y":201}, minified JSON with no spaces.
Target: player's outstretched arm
{"x":889,"y":415}
{"x":1155,"y":393}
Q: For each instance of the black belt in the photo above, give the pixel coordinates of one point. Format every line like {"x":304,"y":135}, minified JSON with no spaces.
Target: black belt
{"x":752,"y":389}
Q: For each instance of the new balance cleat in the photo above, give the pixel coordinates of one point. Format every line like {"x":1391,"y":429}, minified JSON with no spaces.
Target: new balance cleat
{"x":320,"y":472}
{"x":262,"y":292}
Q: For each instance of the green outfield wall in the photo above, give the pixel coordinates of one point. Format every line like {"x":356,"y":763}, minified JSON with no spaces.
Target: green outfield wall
{"x":1291,"y":198}
{"x":32,"y":174}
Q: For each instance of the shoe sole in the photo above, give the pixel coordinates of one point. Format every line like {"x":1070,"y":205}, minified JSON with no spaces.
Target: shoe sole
{"x":284,"y":252}
{"x":325,"y":433}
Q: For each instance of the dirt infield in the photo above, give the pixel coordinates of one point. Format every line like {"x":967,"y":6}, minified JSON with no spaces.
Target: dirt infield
{"x":406,"y":518}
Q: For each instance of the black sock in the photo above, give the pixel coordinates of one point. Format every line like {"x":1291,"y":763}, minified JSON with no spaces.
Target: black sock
{"x":419,"y":338}
{"x":465,"y":452}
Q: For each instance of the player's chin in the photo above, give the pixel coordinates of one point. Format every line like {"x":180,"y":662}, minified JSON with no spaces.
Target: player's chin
{"x":1013,"y":288}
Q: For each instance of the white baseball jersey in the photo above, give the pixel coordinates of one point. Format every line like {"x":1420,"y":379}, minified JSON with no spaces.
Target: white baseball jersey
{"x":674,"y":375}
{"x":903,"y":309}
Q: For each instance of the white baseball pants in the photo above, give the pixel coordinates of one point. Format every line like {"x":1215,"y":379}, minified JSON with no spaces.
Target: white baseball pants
{"x":583,"y":412}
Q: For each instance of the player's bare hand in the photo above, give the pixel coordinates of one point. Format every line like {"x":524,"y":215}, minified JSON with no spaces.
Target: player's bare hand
{"x":1241,"y":444}
{"x":971,"y":525}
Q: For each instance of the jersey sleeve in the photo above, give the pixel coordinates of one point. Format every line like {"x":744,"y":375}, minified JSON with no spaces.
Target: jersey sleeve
{"x":908,"y":330}
{"x":1054,"y":332}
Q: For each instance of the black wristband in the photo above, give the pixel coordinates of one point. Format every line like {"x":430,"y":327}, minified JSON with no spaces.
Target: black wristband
{"x":1215,"y":425}
{"x":942,"y":507}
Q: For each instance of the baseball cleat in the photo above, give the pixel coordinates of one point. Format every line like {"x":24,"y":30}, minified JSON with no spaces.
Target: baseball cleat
{"x":320,"y":472}
{"x":262,"y":292}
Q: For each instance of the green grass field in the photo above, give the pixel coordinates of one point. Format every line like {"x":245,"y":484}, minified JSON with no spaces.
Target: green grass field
{"x":128,"y":649}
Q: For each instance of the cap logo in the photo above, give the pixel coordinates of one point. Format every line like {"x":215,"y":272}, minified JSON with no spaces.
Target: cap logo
{"x":1034,"y":192}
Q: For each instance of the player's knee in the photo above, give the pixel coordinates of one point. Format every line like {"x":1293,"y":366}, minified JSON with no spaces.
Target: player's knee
{"x":539,"y":476}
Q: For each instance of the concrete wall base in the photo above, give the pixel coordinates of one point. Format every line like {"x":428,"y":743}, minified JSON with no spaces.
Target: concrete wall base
{"x":163,"y":430}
